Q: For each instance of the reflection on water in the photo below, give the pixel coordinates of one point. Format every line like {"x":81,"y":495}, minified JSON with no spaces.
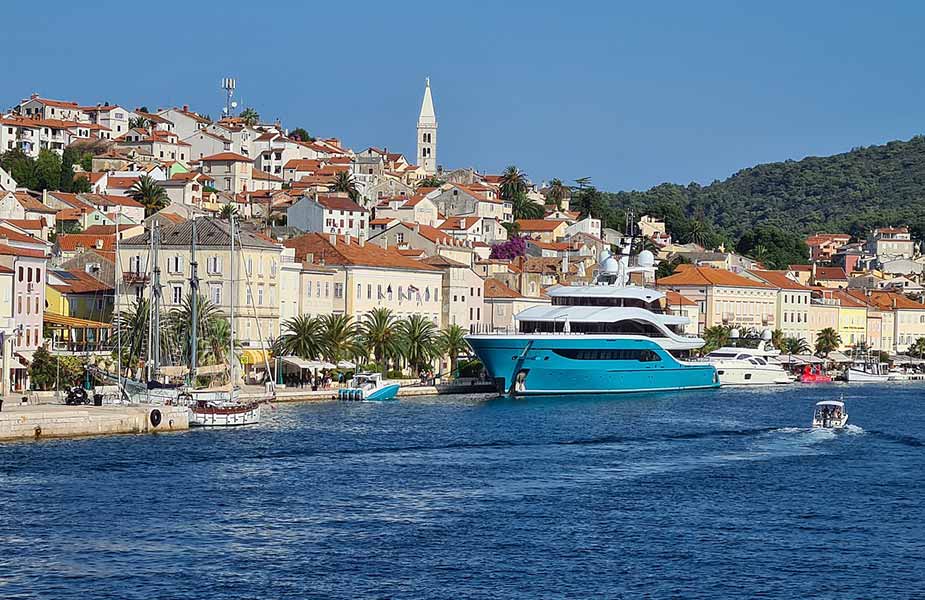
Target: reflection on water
{"x":724,"y":493}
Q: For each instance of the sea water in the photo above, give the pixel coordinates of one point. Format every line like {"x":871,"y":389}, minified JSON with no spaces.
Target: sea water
{"x":714,"y":494}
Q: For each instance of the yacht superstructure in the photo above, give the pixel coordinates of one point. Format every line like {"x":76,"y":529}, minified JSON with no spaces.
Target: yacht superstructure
{"x":608,"y":337}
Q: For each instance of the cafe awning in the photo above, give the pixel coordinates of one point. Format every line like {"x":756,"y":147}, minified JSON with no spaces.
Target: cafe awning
{"x":54,"y":320}
{"x":253,"y":357}
{"x":297,"y":361}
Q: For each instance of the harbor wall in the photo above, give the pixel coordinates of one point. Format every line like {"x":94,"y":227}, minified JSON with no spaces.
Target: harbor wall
{"x":55,"y":421}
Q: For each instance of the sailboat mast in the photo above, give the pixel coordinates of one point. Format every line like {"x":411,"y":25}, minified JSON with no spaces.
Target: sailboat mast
{"x":231,"y":362}
{"x":157,"y":301}
{"x":149,"y":359}
{"x":117,"y":311}
{"x":194,"y":303}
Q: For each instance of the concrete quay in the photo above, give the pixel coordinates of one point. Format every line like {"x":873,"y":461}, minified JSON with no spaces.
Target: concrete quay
{"x":285,"y":394}
{"x":33,"y":422}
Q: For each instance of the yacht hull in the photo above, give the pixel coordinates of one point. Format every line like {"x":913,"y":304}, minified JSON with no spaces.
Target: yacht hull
{"x":860,"y":376}
{"x":747,"y":374}
{"x":525,"y":365}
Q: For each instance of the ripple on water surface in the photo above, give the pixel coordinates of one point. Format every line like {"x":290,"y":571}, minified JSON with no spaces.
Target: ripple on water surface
{"x":724,"y":493}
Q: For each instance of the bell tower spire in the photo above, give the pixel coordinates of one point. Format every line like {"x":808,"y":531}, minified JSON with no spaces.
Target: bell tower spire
{"x":427,"y":133}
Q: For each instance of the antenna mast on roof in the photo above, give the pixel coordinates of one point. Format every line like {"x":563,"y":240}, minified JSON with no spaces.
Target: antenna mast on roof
{"x":228,"y":84}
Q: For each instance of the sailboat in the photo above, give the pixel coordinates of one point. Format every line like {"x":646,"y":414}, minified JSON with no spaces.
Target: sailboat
{"x":210,"y":406}
{"x":222,"y":406}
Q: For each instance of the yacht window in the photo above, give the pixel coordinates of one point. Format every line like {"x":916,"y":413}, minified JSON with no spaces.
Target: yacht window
{"x":721,"y":355}
{"x":743,"y":357}
{"x":760,"y":360}
{"x":622,"y":354}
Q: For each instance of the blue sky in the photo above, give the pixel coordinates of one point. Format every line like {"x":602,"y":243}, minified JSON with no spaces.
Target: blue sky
{"x":629,"y":94}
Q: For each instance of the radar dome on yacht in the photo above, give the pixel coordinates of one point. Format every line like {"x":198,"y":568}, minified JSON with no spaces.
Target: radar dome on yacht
{"x":604,"y":255}
{"x":645,"y":259}
{"x":766,"y":335}
{"x":610,"y":265}
{"x":734,"y":333}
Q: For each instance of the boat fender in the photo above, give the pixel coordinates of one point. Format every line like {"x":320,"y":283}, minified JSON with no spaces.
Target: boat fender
{"x":155,"y":417}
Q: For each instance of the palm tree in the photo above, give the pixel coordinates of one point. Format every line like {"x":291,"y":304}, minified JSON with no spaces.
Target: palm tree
{"x":513,"y":183}
{"x":918,"y":348}
{"x":228,"y":210}
{"x":827,"y":341}
{"x":430,"y":182}
{"x":524,"y":208}
{"x":777,"y":338}
{"x":132,"y":326}
{"x":302,"y":337}
{"x":453,"y":343}
{"x":645,"y":243}
{"x":179,"y":328}
{"x":216,"y":341}
{"x":339,"y":338}
{"x":715,"y":337}
{"x":138,"y":123}
{"x":419,"y":341}
{"x":250,"y":116}
{"x":380,"y":334}
{"x":557,"y":192}
{"x":697,"y":232}
{"x":794,"y":345}
{"x":149,"y":193}
{"x":760,"y":253}
{"x":344,"y":182}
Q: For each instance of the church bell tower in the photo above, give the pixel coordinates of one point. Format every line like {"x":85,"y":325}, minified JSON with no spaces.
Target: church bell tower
{"x":427,"y":133}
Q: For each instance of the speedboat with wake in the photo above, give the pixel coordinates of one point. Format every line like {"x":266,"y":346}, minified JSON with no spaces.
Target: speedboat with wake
{"x":830,"y":414}
{"x":612,"y":336}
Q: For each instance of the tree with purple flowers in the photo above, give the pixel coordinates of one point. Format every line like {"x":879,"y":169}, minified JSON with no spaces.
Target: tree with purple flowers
{"x":509,"y":250}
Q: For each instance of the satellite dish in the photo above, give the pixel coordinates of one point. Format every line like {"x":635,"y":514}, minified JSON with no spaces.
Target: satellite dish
{"x":234,"y":104}
{"x":225,"y":111}
{"x":645,"y":259}
{"x":610,"y":265}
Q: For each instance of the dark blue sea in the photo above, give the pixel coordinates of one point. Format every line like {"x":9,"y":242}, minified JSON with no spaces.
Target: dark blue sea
{"x":720,"y":494}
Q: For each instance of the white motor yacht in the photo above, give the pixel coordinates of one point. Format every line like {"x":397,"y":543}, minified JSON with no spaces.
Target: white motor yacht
{"x":748,"y":366}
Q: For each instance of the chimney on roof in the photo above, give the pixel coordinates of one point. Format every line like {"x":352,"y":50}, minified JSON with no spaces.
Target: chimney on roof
{"x":361,"y":240}
{"x":99,"y":244}
{"x":186,"y":108}
{"x":333,"y":239}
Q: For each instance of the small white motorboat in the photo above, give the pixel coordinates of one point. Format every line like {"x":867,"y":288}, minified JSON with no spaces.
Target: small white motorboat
{"x":867,"y":372}
{"x":830,"y":414}
{"x":368,"y":387}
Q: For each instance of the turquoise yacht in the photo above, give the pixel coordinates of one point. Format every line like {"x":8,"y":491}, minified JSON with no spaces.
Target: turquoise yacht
{"x":611,"y":336}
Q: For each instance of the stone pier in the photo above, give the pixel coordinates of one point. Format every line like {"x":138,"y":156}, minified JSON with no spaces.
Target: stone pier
{"x":56,"y":421}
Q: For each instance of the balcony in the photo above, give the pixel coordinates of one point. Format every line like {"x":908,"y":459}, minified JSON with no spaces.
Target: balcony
{"x":134,"y":278}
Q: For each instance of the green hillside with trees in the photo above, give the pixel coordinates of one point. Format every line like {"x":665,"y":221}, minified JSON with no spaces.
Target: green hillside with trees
{"x":850,"y":192}
{"x":775,"y":204}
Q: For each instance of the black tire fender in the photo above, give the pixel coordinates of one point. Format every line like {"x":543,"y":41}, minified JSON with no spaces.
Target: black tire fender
{"x":155,"y":417}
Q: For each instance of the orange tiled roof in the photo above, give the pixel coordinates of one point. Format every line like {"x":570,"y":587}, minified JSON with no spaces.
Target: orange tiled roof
{"x":343,"y":253}
{"x":231,"y":156}
{"x":78,"y":282}
{"x":496,"y":289}
{"x":780,"y":279}
{"x":676,"y":299}
{"x":693,"y":275}
{"x":74,"y":241}
{"x":538,"y":224}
